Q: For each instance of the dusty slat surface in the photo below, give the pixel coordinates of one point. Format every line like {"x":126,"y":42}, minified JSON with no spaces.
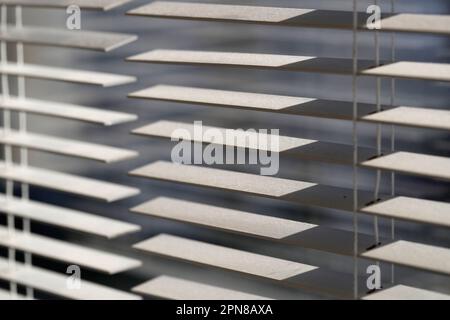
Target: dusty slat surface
{"x":413,"y":163}
{"x":179,"y":289}
{"x":254,"y":101}
{"x":55,"y":283}
{"x":412,"y":70}
{"x":402,"y":292}
{"x":84,"y":4}
{"x":92,"y":40}
{"x":251,"y":60}
{"x":278,"y":188}
{"x":255,"y":225}
{"x":415,"y":255}
{"x":414,"y":117}
{"x":222,"y":257}
{"x":65,"y":110}
{"x":66,"y":146}
{"x":63,"y":74}
{"x":418,"y":210}
{"x":284,"y":272}
{"x":67,"y":218}
{"x":241,"y":138}
{"x":421,"y":23}
{"x":67,"y":183}
{"x":67,"y":252}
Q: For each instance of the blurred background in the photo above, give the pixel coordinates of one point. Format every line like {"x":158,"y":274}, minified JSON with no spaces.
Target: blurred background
{"x":173,"y":34}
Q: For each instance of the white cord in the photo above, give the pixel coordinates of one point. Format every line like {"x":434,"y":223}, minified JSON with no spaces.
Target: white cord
{"x":355,"y":150}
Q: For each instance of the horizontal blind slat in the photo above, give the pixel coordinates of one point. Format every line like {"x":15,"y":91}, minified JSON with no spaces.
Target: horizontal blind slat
{"x":402,"y":292}
{"x":412,"y":70}
{"x":415,"y":255}
{"x":272,"y":187}
{"x":412,"y":116}
{"x":295,"y":17}
{"x":67,"y":182}
{"x":412,"y":209}
{"x":254,"y":101}
{"x":291,"y":146}
{"x":67,"y":252}
{"x":252,"y":60}
{"x":413,"y":163}
{"x":67,"y":75}
{"x":67,"y":218}
{"x":65,"y":110}
{"x":82,"y":39}
{"x":179,"y":289}
{"x":66,"y":146}
{"x":255,"y":225}
{"x":84,"y":4}
{"x":55,"y":283}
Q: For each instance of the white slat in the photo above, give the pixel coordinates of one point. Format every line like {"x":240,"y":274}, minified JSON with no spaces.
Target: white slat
{"x":254,"y":101}
{"x":65,"y":146}
{"x":55,"y":283}
{"x":66,"y":182}
{"x":92,"y":40}
{"x":251,"y":60}
{"x":255,"y":225}
{"x":412,"y":70}
{"x":413,"y":163}
{"x":415,"y":255}
{"x":179,"y":289}
{"x":65,"y":110}
{"x":418,"y":210}
{"x":66,"y":252}
{"x":421,"y":23}
{"x":66,"y":218}
{"x":291,"y":146}
{"x":415,"y":117}
{"x":266,"y":186}
{"x":402,"y":292}
{"x":287,"y":272}
{"x":84,"y":4}
{"x":222,"y":257}
{"x":68,"y":75}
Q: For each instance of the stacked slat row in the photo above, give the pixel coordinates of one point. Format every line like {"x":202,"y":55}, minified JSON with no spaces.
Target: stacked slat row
{"x":31,"y":276}
{"x":306,"y":277}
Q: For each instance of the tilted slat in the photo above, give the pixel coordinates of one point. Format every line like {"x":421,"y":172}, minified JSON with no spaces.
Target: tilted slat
{"x":66,"y":252}
{"x":281,"y":271}
{"x":66,"y":182}
{"x":92,"y":40}
{"x":402,"y":292}
{"x":67,"y":218}
{"x":414,"y":117}
{"x":412,"y":70}
{"x":413,"y":163}
{"x":55,"y":283}
{"x":252,"y":60}
{"x":291,"y":146}
{"x":68,"y":75}
{"x":254,"y":101}
{"x":272,"y":187}
{"x":179,"y":289}
{"x":415,"y":255}
{"x":84,"y":4}
{"x":65,"y":146}
{"x":65,"y":110}
{"x":418,"y":210}
{"x":255,"y":225}
{"x":438,"y":24}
